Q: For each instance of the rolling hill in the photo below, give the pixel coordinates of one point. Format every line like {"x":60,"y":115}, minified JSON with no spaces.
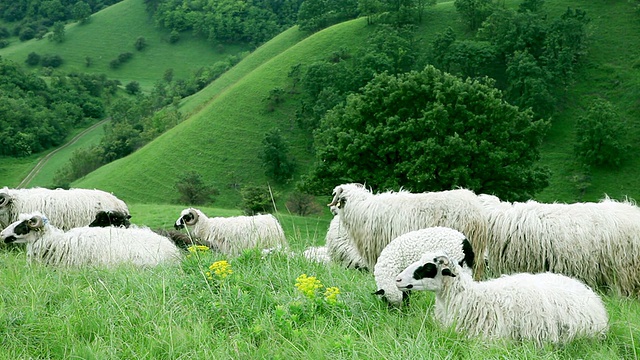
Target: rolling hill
{"x":222,"y":137}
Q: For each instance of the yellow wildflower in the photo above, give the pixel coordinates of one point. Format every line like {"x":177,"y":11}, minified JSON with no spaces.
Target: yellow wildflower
{"x":331,"y":295}
{"x":198,"y":248}
{"x":221,"y":268}
{"x":308,"y":285}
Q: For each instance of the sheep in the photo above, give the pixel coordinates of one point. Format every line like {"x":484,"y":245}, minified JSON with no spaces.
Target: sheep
{"x":408,"y":248}
{"x":339,"y":248}
{"x":232,"y":235}
{"x":373,"y":221}
{"x":567,"y":239}
{"x":89,"y":246}
{"x":67,"y":208}
{"x":106,"y":218}
{"x":543,"y":307}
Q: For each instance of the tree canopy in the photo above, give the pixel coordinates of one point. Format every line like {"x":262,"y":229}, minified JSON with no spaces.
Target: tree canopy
{"x":426,"y":131}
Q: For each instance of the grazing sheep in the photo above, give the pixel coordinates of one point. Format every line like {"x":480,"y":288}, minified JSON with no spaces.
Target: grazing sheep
{"x":544,"y":307}
{"x":408,"y":248}
{"x":232,"y":235}
{"x":339,"y":248}
{"x":89,"y":246}
{"x":567,"y":239}
{"x":373,"y":221}
{"x":67,"y":208}
{"x":106,"y":218}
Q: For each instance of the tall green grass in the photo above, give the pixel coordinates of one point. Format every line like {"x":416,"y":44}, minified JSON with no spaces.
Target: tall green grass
{"x":256,"y":312}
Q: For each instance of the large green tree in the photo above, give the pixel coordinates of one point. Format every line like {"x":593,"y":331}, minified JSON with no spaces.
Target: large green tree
{"x":427,"y":131}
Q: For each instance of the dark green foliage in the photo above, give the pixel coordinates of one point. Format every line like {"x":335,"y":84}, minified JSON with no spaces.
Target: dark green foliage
{"x":226,"y":21}
{"x":429,"y":131}
{"x":35,"y":116}
{"x":529,"y":84}
{"x":316,"y":15}
{"x":88,"y":61}
{"x":257,"y":199}
{"x":4,"y":43}
{"x":122,"y":58}
{"x":52,"y":61}
{"x":174,"y":36}
{"x":141,"y":43}
{"x":33,"y":59}
{"x":193,"y":190}
{"x":275,"y":97}
{"x":474,"y":12}
{"x":58,"y":34}
{"x":599,"y":136}
{"x":82,"y":162}
{"x":81,"y":12}
{"x":275,"y":157}
{"x":132,"y":88}
{"x":303,"y":204}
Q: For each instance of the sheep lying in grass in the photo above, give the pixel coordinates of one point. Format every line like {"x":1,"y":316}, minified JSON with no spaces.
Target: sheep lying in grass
{"x":567,"y":239}
{"x":106,"y":218}
{"x":67,"y":208}
{"x":408,"y":248}
{"x":89,"y":246}
{"x":232,"y":235}
{"x":544,"y":307}
{"x":372,"y":221}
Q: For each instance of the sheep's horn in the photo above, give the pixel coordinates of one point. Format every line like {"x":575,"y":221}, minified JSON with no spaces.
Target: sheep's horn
{"x":35,"y":222}
{"x":336,"y":194}
{"x":194,"y":217}
{"x":5,"y":200}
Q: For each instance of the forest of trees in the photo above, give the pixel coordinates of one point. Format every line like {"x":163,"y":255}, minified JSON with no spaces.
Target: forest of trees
{"x":438,"y":131}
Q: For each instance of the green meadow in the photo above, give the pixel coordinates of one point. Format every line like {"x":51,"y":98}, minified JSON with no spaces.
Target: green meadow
{"x":257,"y":312}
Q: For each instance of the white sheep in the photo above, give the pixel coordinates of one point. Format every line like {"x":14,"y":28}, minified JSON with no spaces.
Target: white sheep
{"x":232,"y":235}
{"x":373,"y":221}
{"x":543,"y":307}
{"x":567,"y":239}
{"x":89,"y":246}
{"x":338,"y":248}
{"x":66,"y":208}
{"x":408,"y":248}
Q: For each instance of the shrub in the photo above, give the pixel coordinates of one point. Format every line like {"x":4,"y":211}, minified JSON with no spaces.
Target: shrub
{"x":303,"y":204}
{"x":53,"y":61}
{"x":257,"y":199}
{"x":33,"y":59}
{"x":193,"y":190}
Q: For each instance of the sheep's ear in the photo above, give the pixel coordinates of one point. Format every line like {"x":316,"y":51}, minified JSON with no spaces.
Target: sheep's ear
{"x":379,"y":292}
{"x":447,"y":272}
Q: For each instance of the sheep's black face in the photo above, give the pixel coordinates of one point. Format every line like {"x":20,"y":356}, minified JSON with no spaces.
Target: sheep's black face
{"x":111,"y":218}
{"x":182,"y":220}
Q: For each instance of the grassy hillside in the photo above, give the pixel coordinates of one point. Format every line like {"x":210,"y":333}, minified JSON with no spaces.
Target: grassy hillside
{"x":113,"y":31}
{"x":222,"y":138}
{"x":222,"y":141}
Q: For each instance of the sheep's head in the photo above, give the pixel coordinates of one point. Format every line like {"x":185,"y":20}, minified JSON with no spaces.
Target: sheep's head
{"x":188,"y":217}
{"x":340,"y":194}
{"x":25,"y":229}
{"x":426,"y":273}
{"x":106,"y":218}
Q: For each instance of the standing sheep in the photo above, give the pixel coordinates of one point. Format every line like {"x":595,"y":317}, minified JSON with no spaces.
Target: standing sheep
{"x":544,"y":307}
{"x":234,"y":234}
{"x":89,"y":246}
{"x":408,"y":248}
{"x":567,"y":239}
{"x":373,"y":221}
{"x":67,"y":208}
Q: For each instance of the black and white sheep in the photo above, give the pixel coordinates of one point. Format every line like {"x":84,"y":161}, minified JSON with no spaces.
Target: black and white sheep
{"x":232,"y":235}
{"x":89,"y":246}
{"x":408,"y":248}
{"x":67,"y":208}
{"x":567,"y":239}
{"x":373,"y":220}
{"x":106,"y":218}
{"x":543,"y":307}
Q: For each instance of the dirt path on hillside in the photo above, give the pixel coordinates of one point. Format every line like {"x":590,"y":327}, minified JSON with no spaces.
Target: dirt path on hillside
{"x":36,"y":169}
